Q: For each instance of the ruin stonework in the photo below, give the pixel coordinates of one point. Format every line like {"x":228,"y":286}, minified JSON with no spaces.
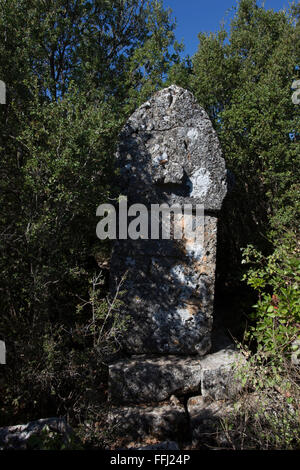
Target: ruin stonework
{"x":168,"y":153}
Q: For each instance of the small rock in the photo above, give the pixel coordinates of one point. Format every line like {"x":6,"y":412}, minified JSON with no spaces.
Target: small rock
{"x":167,"y":445}
{"x":30,"y":435}
{"x":296,"y":352}
{"x":2,"y":353}
{"x":174,"y":401}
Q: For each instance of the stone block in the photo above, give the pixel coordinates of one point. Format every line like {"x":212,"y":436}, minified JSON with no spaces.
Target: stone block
{"x":145,"y":380}
{"x":218,"y":377}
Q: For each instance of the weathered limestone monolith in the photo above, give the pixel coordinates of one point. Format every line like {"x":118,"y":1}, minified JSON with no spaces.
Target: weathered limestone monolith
{"x":169,"y":154}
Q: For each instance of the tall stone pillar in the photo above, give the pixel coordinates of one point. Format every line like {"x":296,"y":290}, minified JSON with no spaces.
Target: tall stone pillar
{"x":169,"y":154}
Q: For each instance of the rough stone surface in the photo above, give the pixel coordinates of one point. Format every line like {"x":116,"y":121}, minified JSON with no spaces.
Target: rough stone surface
{"x":169,"y":153}
{"x":170,"y":140}
{"x":141,"y":422}
{"x":167,"y":445}
{"x":145,"y":380}
{"x":174,"y":401}
{"x":295,"y":359}
{"x":218,"y":379}
{"x":2,"y":352}
{"x":204,"y":418}
{"x":18,"y":437}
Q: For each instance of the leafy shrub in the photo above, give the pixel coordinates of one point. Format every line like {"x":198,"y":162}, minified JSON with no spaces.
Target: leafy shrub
{"x":62,"y":370}
{"x":266,"y":415}
{"x":70,"y":85}
{"x":276,"y":280}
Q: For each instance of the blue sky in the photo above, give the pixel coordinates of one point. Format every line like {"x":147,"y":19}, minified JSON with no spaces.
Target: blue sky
{"x":194,"y":16}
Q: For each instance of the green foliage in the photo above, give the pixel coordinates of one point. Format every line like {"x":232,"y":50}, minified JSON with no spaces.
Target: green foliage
{"x":106,"y":323}
{"x":243,"y":80}
{"x":277,"y":313}
{"x":50,"y":440}
{"x":266,"y":414}
{"x":73,"y":71}
{"x":149,"y":65}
